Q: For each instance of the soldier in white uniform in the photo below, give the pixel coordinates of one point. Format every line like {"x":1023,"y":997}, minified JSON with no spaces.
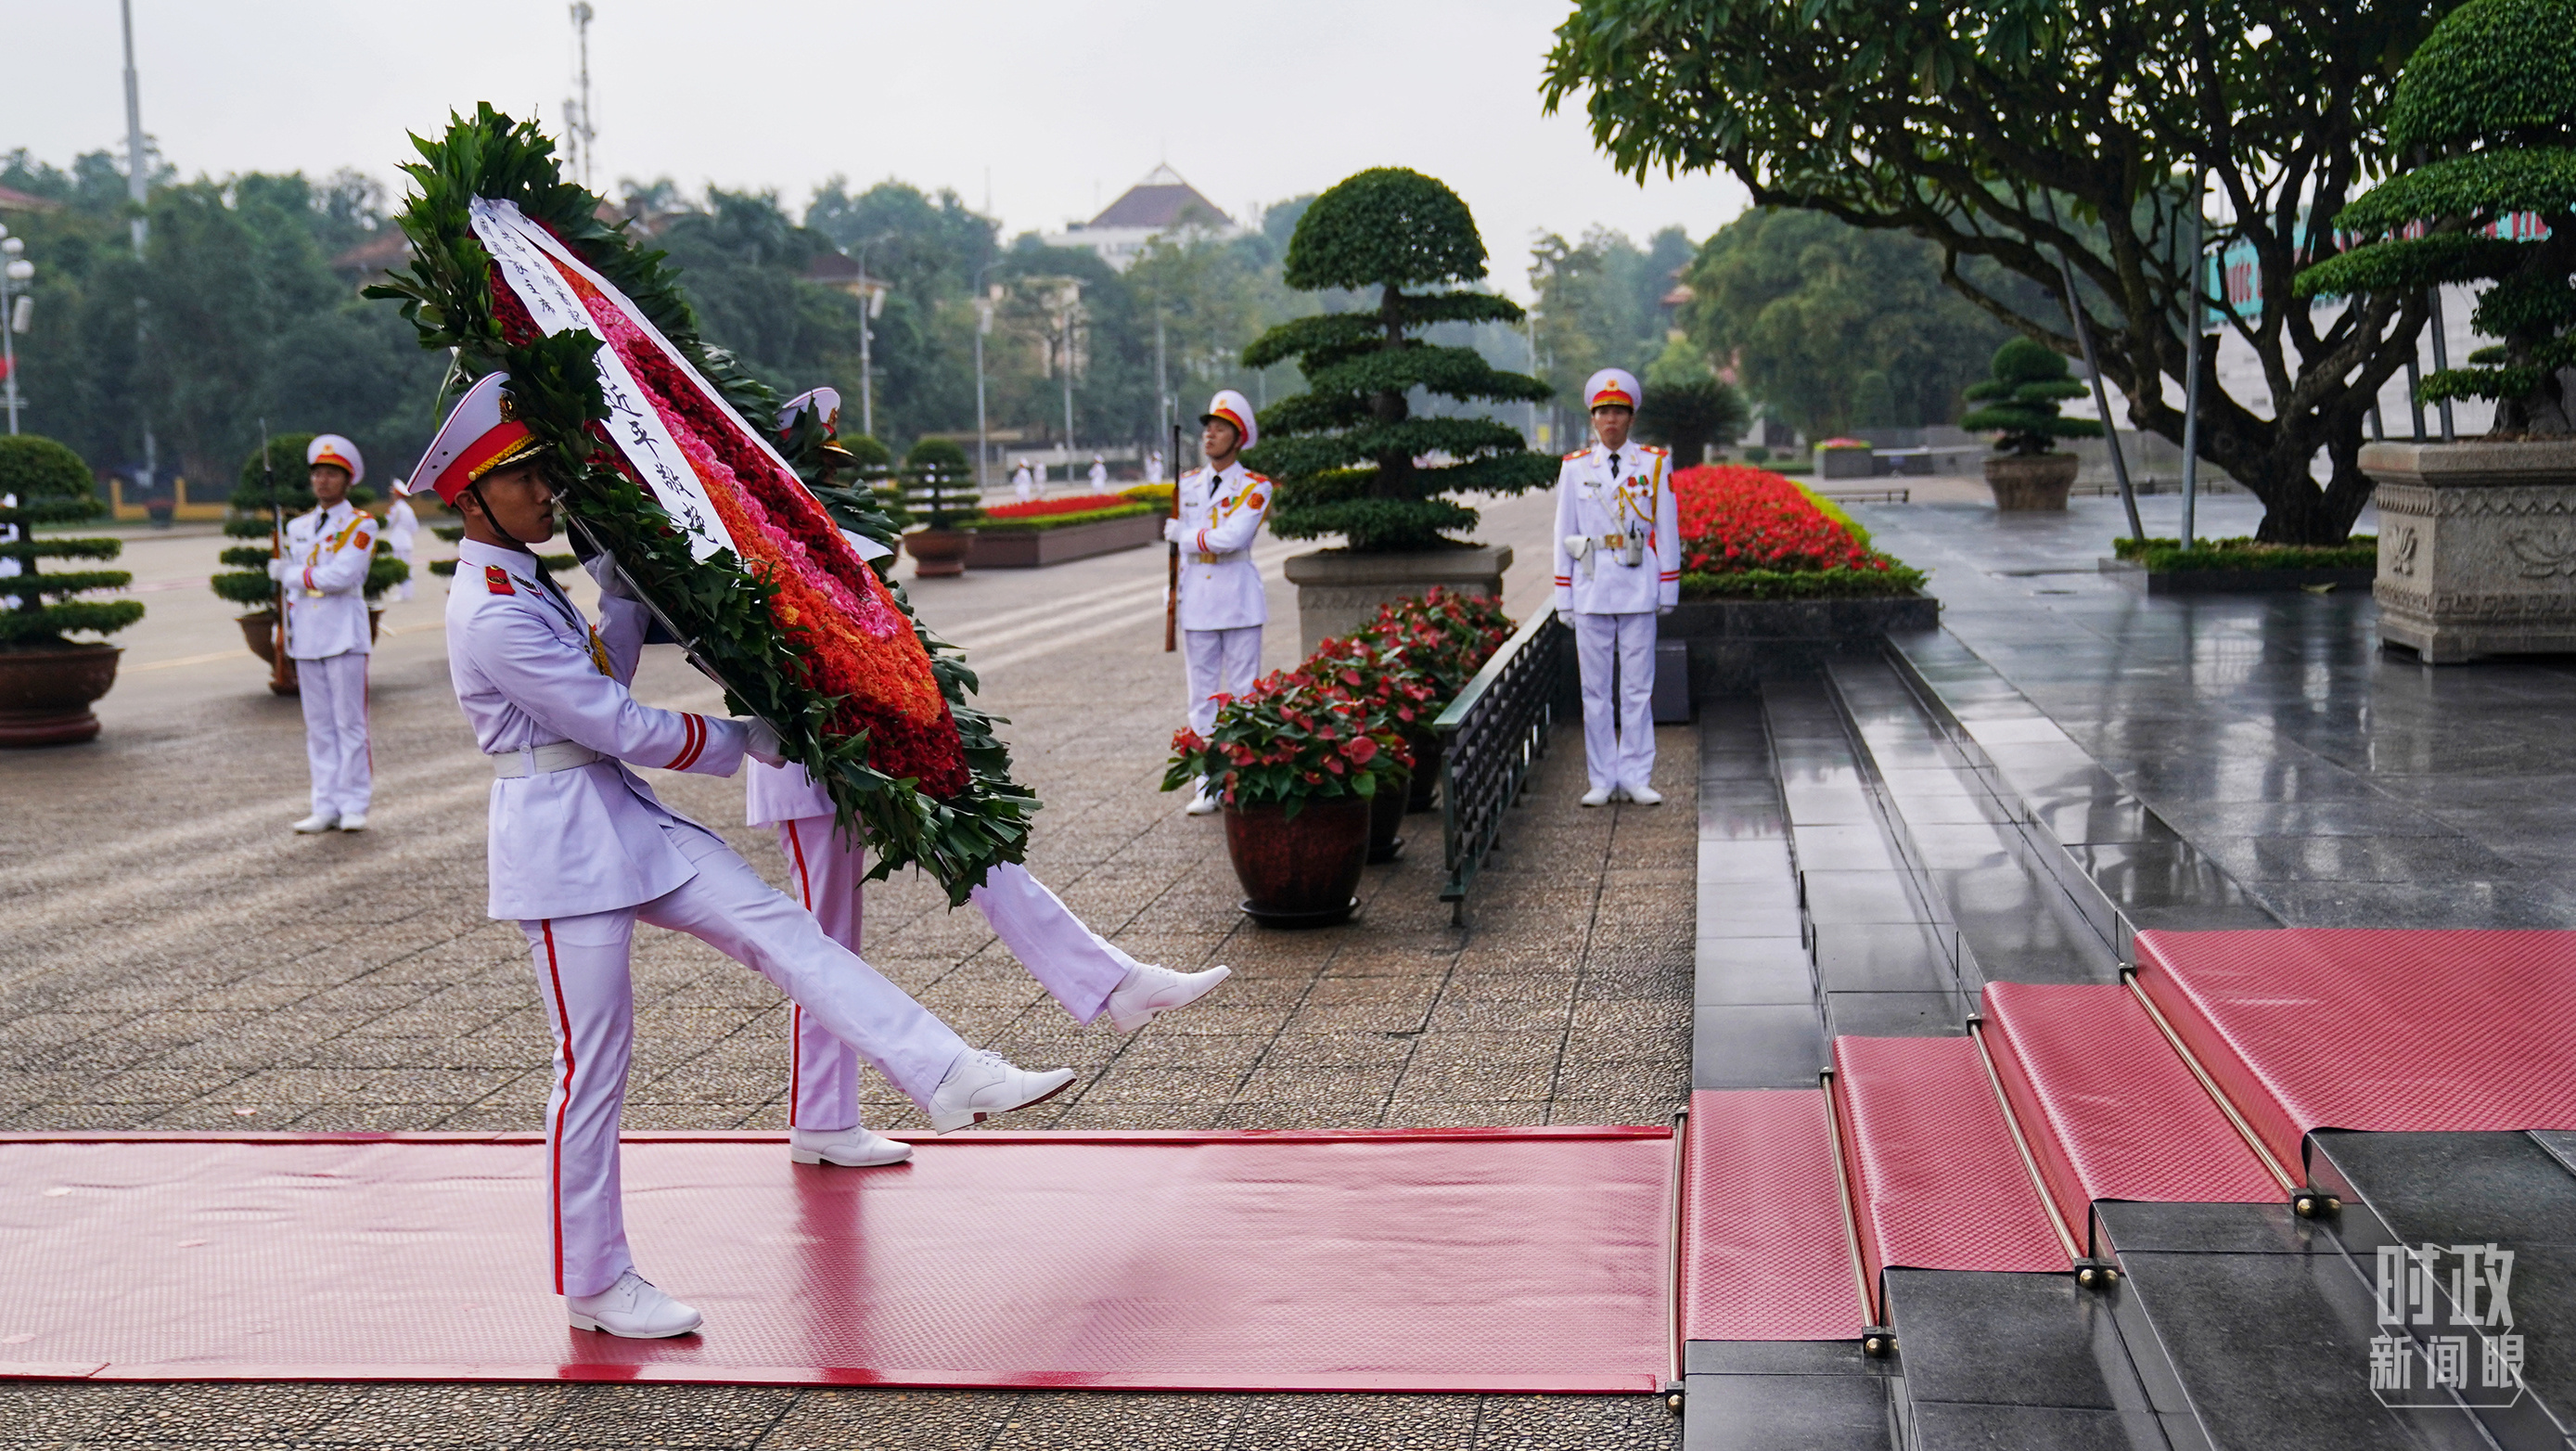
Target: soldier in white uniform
{"x":1083,"y":971}
{"x":324,"y":571}
{"x":1099,"y":473}
{"x":1223,"y":605}
{"x":1022,"y":488}
{"x":581,"y":850}
{"x":1618,"y":567}
{"x":402,"y":531}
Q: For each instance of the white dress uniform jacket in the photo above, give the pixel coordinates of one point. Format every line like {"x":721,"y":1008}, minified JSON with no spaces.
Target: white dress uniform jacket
{"x":324,"y":571}
{"x":530,"y":671}
{"x":1592,"y":504}
{"x":1221,"y":514}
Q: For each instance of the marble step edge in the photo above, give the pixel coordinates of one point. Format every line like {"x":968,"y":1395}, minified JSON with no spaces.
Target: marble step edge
{"x":2067,"y":863}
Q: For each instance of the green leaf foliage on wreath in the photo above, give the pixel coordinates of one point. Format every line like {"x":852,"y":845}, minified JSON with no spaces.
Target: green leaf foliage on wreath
{"x":719,"y":611}
{"x":50,"y":485}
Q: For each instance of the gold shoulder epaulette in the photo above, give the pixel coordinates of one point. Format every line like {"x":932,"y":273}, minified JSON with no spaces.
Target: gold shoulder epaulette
{"x":1256,"y":478}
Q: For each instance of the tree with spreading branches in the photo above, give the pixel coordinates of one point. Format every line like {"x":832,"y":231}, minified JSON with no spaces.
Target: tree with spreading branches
{"x":2020,"y":130}
{"x":1348,"y":454}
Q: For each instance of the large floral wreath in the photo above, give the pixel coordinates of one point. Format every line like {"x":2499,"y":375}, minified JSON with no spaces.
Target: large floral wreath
{"x":664,"y":459}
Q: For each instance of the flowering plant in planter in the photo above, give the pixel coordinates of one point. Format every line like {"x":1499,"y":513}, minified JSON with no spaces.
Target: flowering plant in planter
{"x":1291,"y":739}
{"x":1398,"y":693}
{"x":1445,"y":635}
{"x":1750,"y":534}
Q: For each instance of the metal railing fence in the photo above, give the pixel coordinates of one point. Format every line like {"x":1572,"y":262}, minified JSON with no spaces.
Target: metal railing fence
{"x":1490,"y":738}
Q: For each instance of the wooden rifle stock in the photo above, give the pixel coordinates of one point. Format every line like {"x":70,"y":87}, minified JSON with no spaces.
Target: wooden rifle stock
{"x":1172,"y":592}
{"x":276,"y":550}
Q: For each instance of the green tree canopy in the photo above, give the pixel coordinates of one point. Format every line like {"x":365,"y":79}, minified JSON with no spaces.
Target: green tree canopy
{"x":2493,"y":95}
{"x":50,"y":485}
{"x":1809,"y":309}
{"x":1601,"y":304}
{"x":1687,"y":406}
{"x":2021,"y":399}
{"x":2014,"y":129}
{"x":1349,"y":454}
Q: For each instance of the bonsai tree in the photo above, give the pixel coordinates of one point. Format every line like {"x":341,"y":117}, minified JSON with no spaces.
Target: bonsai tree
{"x":2487,"y":110}
{"x":2021,"y":401}
{"x":50,"y":485}
{"x":939,"y":487}
{"x":1687,"y":406}
{"x":1344,"y":453}
{"x":274,"y":487}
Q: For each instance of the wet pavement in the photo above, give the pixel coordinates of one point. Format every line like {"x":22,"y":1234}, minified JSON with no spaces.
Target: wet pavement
{"x":2338,"y":783}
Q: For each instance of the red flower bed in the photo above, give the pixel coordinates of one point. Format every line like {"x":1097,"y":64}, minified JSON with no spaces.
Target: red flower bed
{"x":1077,"y":504}
{"x":1735,"y":519}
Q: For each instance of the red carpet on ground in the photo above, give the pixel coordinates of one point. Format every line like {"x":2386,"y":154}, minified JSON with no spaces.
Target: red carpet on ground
{"x":1451,"y":1260}
{"x":2383,"y":1030}
{"x":1765,"y":1251}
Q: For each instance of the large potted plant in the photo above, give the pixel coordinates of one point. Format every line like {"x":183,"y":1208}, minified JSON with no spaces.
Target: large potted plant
{"x":48,"y":681}
{"x":2021,"y":401}
{"x":939,"y":490}
{"x":274,"y":487}
{"x":1297,"y":767}
{"x":1348,"y":455}
{"x":2475,"y":553}
{"x":1448,"y":636}
{"x":1397,"y":694}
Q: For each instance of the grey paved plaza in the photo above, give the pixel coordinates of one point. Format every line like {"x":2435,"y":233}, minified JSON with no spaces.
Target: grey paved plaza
{"x":175,"y":959}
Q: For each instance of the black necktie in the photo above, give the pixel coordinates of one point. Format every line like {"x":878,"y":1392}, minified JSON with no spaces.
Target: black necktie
{"x":1614,"y":465}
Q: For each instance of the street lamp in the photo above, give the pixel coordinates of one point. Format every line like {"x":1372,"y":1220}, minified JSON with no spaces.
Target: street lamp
{"x":875,"y":296}
{"x":1068,"y":303}
{"x":983,"y":324}
{"x":14,"y":315}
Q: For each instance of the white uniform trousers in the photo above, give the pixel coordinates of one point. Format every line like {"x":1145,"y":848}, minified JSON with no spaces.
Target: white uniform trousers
{"x":583,"y":983}
{"x":402,"y":591}
{"x":1618,"y":747}
{"x":1226,"y":661}
{"x":1078,"y":967}
{"x":333,"y":691}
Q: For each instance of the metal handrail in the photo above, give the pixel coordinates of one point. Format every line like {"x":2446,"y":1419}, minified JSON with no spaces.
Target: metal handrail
{"x":1490,"y":737}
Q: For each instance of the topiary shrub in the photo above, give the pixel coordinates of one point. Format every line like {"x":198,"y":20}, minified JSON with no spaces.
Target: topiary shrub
{"x":1687,"y":406}
{"x":2487,"y":108}
{"x":939,"y":485}
{"x":1343,"y":453}
{"x":52,"y":486}
{"x":275,"y":487}
{"x":2021,"y":401}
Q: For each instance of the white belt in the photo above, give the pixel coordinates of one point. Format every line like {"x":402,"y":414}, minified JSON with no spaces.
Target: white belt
{"x":542,"y":760}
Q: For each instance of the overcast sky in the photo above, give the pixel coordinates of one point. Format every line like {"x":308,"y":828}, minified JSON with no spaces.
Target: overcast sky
{"x":1063,"y":105}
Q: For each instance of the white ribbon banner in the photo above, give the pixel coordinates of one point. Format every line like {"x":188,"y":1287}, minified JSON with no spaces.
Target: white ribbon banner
{"x":521,"y":249}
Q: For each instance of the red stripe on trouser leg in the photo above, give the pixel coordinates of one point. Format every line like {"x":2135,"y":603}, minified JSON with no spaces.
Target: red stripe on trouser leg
{"x":582,"y":962}
{"x":824,"y":1079}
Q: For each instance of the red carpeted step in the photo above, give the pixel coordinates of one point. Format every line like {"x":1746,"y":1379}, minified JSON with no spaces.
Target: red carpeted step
{"x":1937,"y":1182}
{"x":2387,"y":1030}
{"x":1766,"y":1254}
{"x":2109,"y":1110}
{"x":1451,"y":1260}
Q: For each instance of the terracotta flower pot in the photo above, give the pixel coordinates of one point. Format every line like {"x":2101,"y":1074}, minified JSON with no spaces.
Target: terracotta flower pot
{"x":2030,"y":480}
{"x":46,"y":692}
{"x":1299,"y":872}
{"x":1386,"y":820}
{"x":937,"y":552}
{"x":259,"y":631}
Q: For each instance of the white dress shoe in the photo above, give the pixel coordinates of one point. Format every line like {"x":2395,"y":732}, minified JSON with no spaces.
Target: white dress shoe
{"x":318,"y":822}
{"x":981,"y":1085}
{"x":1597,"y":796}
{"x":1146,"y":993}
{"x":354,"y":821}
{"x":1642,"y":795}
{"x":633,"y":1308}
{"x":1206,"y":802}
{"x":851,"y":1148}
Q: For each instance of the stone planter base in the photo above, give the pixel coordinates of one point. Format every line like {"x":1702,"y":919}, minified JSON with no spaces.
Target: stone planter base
{"x":2132,"y":575}
{"x":2477,"y":547}
{"x":938,"y":552}
{"x":1733,"y":643}
{"x":1338,"y":591}
{"x":2030,"y":481}
{"x":1301,"y":872}
{"x":46,"y":694}
{"x":1038,"y":548}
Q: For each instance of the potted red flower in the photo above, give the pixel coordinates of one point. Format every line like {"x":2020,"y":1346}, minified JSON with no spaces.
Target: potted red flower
{"x":1447,"y":636}
{"x":1399,"y":698}
{"x":1298,"y":766}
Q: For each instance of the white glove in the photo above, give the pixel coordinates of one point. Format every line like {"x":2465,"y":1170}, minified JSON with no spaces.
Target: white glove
{"x":1662,"y":610}
{"x":762,"y":746}
{"x":612,"y":583}
{"x":1171,"y":531}
{"x":1579,"y":545}
{"x":277,"y":570}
